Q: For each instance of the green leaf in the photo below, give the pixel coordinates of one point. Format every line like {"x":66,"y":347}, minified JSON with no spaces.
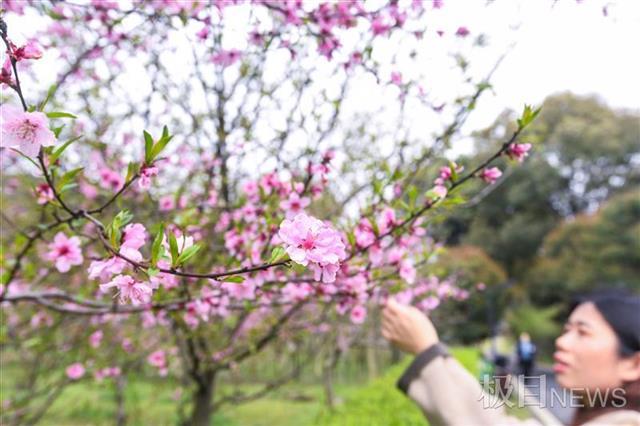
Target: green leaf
{"x":50,"y":92}
{"x":67,"y":178}
{"x":148,"y":146}
{"x":188,"y":254}
{"x":374,"y":225}
{"x":59,"y":150}
{"x":377,"y":187}
{"x":233,"y":279}
{"x":60,"y":114}
{"x":277,"y":254}
{"x":454,"y":172}
{"x":173,"y":248}
{"x":131,"y":170}
{"x":67,"y":187}
{"x":152,"y":272}
{"x":352,"y":238}
{"x":156,"y":248}
{"x":412,"y":193}
{"x":162,"y":143}
{"x":57,"y":131}
{"x":528,"y":115}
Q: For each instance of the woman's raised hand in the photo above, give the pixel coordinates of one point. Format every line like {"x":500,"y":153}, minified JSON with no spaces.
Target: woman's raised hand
{"x":407,"y":327}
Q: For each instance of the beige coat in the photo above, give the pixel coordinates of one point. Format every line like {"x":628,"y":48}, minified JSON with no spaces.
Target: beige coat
{"x":450,"y":396}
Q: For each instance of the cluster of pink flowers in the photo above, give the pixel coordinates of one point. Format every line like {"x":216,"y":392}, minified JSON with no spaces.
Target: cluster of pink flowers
{"x":65,"y":252}
{"x":31,"y":50}
{"x":133,"y":238}
{"x":147,"y":172}
{"x":226,"y":58}
{"x":26,"y":131}
{"x":446,"y":174}
{"x":158,"y":359}
{"x":128,"y":288}
{"x":107,"y":372}
{"x":310,"y":242}
{"x":110,"y":179}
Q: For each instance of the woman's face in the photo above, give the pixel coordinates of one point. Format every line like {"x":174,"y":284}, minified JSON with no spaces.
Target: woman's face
{"x":586,"y":354}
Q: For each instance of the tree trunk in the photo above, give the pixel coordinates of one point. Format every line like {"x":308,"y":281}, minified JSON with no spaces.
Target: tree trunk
{"x":372,"y":365}
{"x":202,"y":401}
{"x":121,"y":413}
{"x":328,"y":372}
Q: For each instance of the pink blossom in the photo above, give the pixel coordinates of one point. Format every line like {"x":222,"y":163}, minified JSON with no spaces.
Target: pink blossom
{"x":27,"y":131}
{"x":437,"y":4}
{"x":104,"y":4}
{"x":376,"y":255}
{"x":104,"y":269}
{"x":168,"y":281}
{"x":407,"y":271}
{"x":380,"y":26}
{"x":166,"y":203}
{"x":135,"y":236}
{"x":396,"y":78}
{"x":157,"y":359}
{"x":429,"y":303}
{"x":110,"y":179}
{"x":44,"y":193}
{"x":226,"y":58}
{"x":6,"y":74}
{"x":31,"y":50}
{"x":294,"y":205}
{"x":16,"y":6}
{"x":89,"y":191}
{"x":490,"y":175}
{"x":462,"y":32}
{"x":358,"y":314}
{"x":364,"y":233}
{"x":203,"y":33}
{"x":386,"y":220}
{"x":128,"y":288}
{"x":308,"y":240}
{"x":40,"y":318}
{"x":212,"y":200}
{"x":518,"y":151}
{"x":96,"y":338}
{"x":481,"y":286}
{"x":75,"y":371}
{"x":445,"y":172}
{"x":65,"y":252}
{"x":327,"y":46}
{"x":147,"y":172}
{"x":440,"y":191}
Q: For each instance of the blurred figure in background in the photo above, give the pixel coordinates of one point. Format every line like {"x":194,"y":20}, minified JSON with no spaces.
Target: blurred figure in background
{"x":526,"y":354}
{"x":598,"y":353}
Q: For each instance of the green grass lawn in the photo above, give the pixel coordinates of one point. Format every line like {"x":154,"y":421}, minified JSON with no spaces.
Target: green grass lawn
{"x":151,"y":402}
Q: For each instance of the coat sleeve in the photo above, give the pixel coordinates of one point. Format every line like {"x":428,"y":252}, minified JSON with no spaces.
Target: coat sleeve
{"x":449,"y":395}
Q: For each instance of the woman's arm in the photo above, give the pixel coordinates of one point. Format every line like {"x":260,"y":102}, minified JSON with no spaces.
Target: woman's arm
{"x":446,"y":392}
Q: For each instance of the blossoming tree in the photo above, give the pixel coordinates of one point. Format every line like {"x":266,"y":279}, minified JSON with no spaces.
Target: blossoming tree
{"x":249,"y":212}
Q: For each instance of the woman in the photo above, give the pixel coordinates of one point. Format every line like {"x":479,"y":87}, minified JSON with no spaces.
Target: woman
{"x":597,"y":353}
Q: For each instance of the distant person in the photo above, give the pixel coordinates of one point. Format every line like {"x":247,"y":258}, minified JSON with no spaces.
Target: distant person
{"x":598,"y":352}
{"x":526,"y":352}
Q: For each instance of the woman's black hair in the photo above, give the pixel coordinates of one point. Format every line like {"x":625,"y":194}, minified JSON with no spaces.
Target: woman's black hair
{"x":621,"y":309}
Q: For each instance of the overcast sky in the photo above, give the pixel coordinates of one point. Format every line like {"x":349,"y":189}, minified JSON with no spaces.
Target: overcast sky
{"x":564,"y":47}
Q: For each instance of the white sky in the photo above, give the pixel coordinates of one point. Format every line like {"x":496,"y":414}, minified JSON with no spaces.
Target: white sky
{"x":564,"y":47}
